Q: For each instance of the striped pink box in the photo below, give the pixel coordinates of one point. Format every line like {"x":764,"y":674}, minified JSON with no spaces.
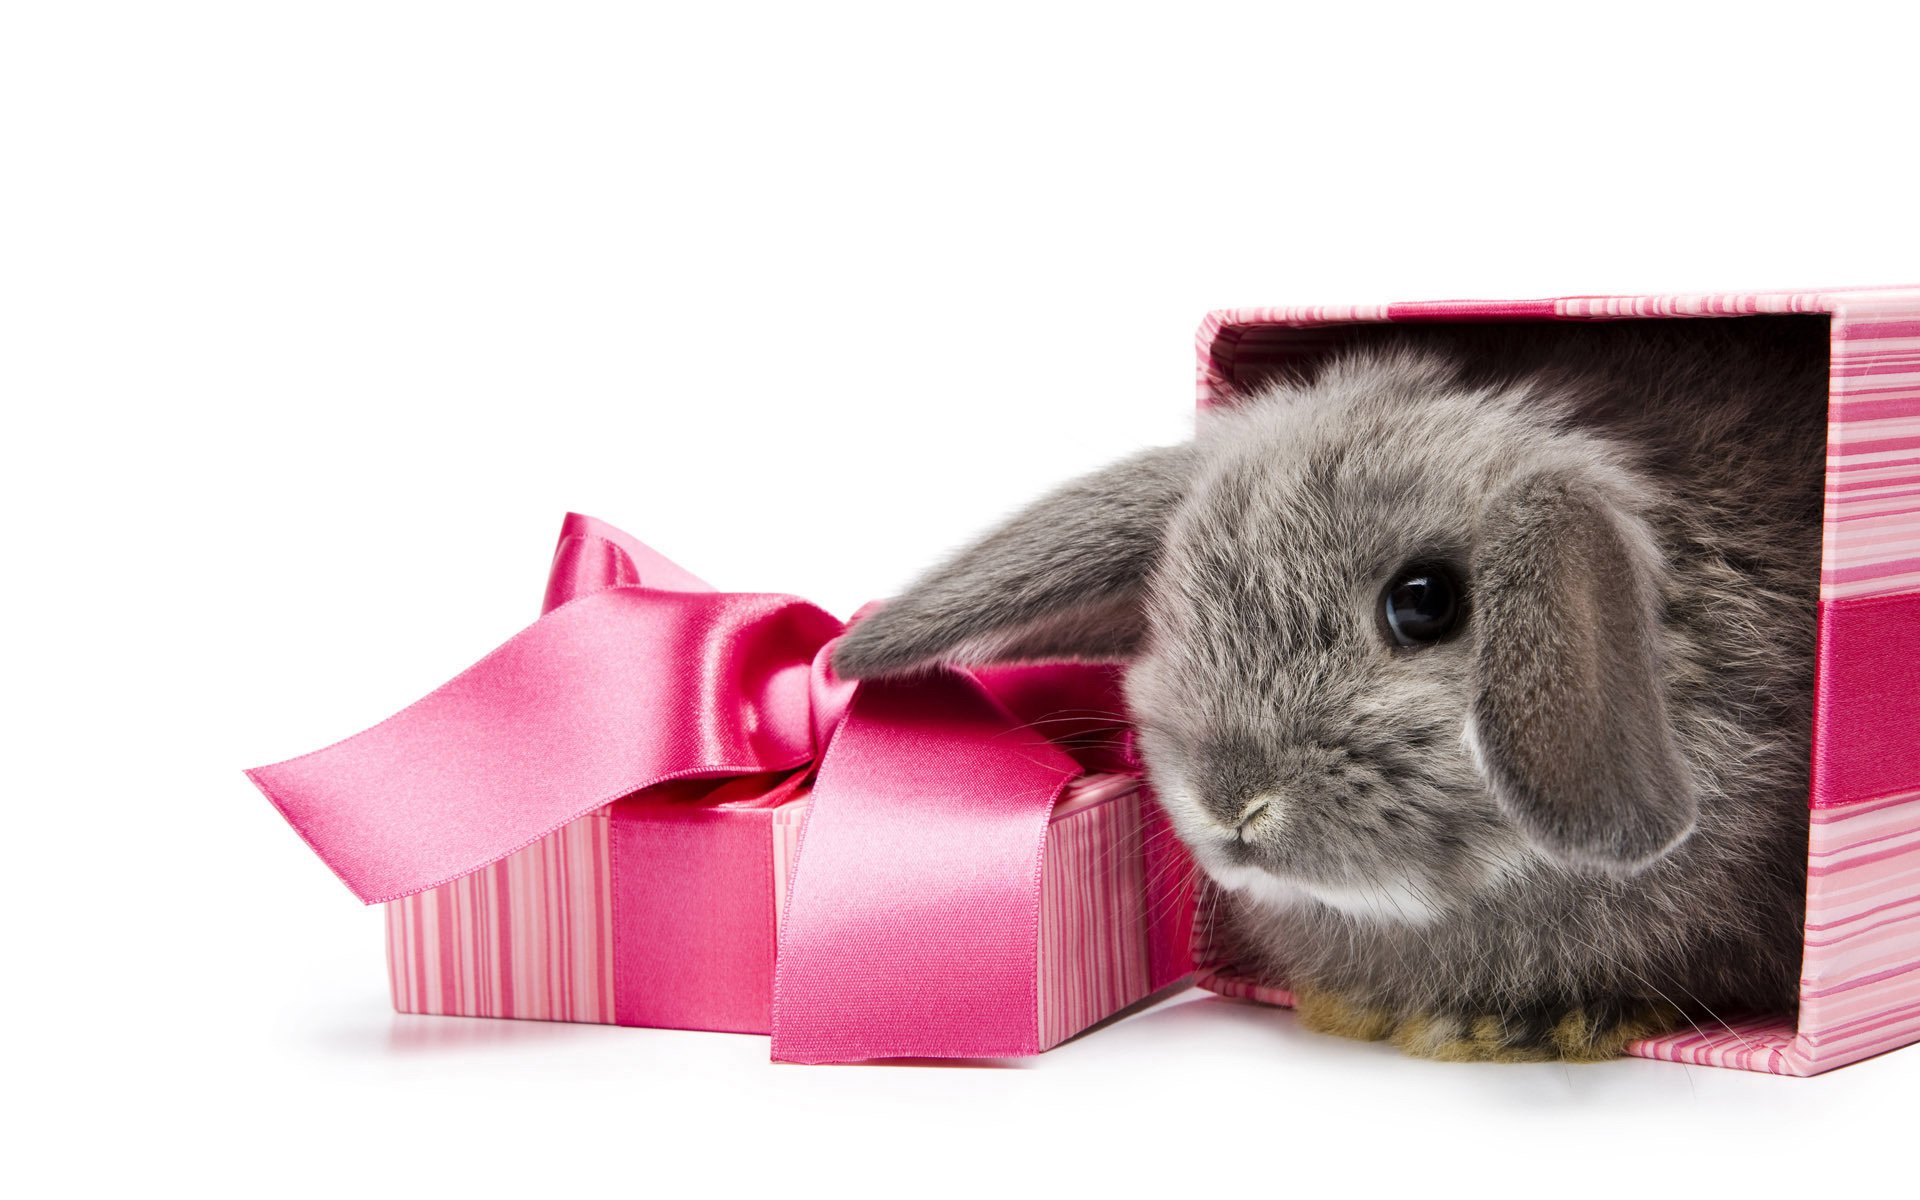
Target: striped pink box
{"x":1860,"y":980}
{"x":532,"y":935}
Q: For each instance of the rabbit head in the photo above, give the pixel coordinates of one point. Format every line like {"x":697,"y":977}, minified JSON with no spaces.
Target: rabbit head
{"x":1391,"y":635}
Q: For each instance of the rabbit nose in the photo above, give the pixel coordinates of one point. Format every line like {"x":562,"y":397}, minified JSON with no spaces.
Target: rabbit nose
{"x":1251,"y":813}
{"x":1244,"y":820}
{"x":1248,"y":783}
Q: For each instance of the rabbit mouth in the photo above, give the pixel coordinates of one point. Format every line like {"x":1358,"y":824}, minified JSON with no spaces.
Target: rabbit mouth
{"x":1406,"y":900}
{"x":1240,"y":857}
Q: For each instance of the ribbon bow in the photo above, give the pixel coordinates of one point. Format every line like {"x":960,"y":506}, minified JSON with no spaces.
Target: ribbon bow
{"x":912,"y":916}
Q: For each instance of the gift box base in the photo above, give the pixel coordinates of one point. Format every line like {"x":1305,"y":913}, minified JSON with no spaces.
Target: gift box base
{"x":532,"y":936}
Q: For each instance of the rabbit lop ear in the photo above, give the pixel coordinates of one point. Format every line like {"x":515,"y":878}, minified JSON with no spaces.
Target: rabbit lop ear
{"x":1060,"y":581}
{"x":1570,"y":722}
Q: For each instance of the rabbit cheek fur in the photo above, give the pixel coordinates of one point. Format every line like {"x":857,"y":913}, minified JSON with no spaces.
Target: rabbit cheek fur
{"x":1579,"y":817}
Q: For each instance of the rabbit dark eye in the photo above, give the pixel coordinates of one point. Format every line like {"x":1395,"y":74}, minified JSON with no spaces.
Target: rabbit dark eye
{"x":1422,"y":605}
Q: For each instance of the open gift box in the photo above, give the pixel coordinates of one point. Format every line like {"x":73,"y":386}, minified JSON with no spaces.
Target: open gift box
{"x":656,"y":806}
{"x":1860,"y":979}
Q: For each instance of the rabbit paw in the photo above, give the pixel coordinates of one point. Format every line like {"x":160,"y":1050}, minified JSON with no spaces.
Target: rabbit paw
{"x":1536,"y":1033}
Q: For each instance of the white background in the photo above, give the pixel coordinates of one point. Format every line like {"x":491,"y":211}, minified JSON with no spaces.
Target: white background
{"x":315,"y":318}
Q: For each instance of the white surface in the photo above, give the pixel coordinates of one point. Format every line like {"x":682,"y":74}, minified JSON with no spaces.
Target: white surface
{"x":314,"y":319}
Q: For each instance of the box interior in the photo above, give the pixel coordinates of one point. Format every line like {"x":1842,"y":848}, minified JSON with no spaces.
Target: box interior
{"x":1247,"y":356}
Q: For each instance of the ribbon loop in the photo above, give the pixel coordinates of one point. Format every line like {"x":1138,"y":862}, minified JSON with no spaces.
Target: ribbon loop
{"x":610,"y":693}
{"x":593,"y":555}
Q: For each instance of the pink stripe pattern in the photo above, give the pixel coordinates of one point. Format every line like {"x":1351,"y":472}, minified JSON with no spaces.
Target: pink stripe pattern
{"x":532,"y":935}
{"x":1860,"y":986}
{"x":1093,"y":920}
{"x":1873,"y":451}
{"x":528,"y":937}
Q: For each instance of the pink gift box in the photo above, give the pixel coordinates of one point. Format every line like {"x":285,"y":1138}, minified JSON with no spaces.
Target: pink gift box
{"x":658,"y":806}
{"x":1860,"y":982}
{"x":532,"y":935}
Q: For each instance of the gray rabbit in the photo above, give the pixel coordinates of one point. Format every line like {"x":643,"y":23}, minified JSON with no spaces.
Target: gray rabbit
{"x":1474,"y":666}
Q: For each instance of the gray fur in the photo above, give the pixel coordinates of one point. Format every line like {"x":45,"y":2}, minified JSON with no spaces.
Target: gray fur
{"x":1596,"y":793}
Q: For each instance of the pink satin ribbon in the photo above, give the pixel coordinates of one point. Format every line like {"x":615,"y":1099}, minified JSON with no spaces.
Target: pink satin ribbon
{"x":912,"y":919}
{"x":1866,"y":714}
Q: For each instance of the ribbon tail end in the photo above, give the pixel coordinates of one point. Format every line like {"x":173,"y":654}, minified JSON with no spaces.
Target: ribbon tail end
{"x":257,"y":777}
